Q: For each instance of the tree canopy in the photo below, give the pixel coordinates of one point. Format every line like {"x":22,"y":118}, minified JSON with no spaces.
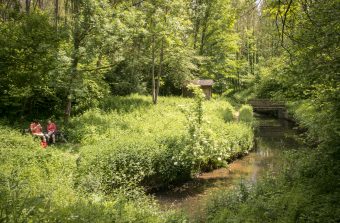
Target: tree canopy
{"x":62,"y":57}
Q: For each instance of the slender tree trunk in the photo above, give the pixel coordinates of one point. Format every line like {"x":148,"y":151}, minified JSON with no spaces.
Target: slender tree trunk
{"x":28,"y":6}
{"x":253,"y":44}
{"x":197,"y":23}
{"x":39,"y":3}
{"x":204,"y":30}
{"x":35,"y":4}
{"x":75,"y":61}
{"x":248,"y":55}
{"x":161,"y":56}
{"x":134,"y":54}
{"x":153,"y":71}
{"x":197,"y":27}
{"x":66,"y":5}
{"x":237,"y":84}
{"x":73,"y":75}
{"x":237,"y":71}
{"x":254,"y":61}
{"x":56,"y":13}
{"x":205,"y":27}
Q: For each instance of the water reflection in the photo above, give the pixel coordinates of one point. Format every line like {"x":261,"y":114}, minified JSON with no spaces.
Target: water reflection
{"x":272,"y":136}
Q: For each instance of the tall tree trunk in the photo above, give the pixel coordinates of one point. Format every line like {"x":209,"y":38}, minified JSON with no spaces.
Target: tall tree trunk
{"x":56,"y":13}
{"x":161,"y":56}
{"x":197,"y":22}
{"x":73,"y":75}
{"x":253,"y":44}
{"x":248,"y":55}
{"x":205,"y":27}
{"x":197,"y":27}
{"x":254,"y":61}
{"x":237,"y":71}
{"x":28,"y":6}
{"x":237,"y":84}
{"x":204,"y":30}
{"x":134,"y":54}
{"x":153,"y":70}
{"x":38,"y":3}
{"x":66,"y":5}
{"x":75,"y":61}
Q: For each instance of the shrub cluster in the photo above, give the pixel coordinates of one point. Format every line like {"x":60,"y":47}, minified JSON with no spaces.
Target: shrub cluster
{"x":155,"y":146}
{"x":39,"y":185}
{"x":306,"y":187}
{"x":246,"y":114}
{"x":301,"y":192}
{"x":122,"y":152}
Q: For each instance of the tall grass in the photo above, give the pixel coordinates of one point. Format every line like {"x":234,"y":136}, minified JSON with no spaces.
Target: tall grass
{"x":300,"y":192}
{"x":125,"y":147}
{"x":246,"y":114}
{"x":306,"y":187}
{"x":161,"y":134}
{"x":38,"y":185}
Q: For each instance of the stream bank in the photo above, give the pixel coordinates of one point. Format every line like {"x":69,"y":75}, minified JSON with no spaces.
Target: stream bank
{"x":273,"y":136}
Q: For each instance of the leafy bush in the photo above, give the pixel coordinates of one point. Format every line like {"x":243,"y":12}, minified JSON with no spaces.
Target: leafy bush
{"x":37,"y":185}
{"x":33,"y":180}
{"x":246,"y":114}
{"x":176,"y":139}
{"x":125,"y":104}
{"x":301,"y":192}
{"x":321,"y":121}
{"x":122,"y":152}
{"x":167,"y":169}
{"x":115,"y":166}
{"x":228,"y":114}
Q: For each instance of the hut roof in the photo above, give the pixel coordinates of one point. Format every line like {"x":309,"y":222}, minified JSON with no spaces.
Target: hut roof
{"x":202,"y":82}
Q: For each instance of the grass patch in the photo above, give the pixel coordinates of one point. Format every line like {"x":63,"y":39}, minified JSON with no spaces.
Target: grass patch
{"x":116,"y":153}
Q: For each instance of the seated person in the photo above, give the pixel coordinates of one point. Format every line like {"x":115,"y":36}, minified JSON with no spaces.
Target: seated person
{"x":36,"y":130}
{"x":51,"y":130}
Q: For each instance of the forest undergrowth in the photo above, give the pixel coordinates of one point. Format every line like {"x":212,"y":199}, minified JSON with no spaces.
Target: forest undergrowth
{"x":126,"y":148}
{"x":306,"y":187}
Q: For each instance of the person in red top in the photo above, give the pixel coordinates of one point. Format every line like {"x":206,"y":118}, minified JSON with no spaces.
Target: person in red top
{"x":51,"y":130}
{"x":36,"y":130}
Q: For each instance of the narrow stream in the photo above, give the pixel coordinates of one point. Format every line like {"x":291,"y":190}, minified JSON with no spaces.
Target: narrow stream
{"x":272,"y":137}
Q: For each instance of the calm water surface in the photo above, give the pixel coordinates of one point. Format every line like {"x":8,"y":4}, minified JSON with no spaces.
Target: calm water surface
{"x":272,"y":137}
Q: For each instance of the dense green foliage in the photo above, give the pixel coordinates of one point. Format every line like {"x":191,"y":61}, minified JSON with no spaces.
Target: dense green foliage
{"x":133,"y":148}
{"x":63,"y":57}
{"x":305,"y":74}
{"x":123,"y":151}
{"x":246,"y":114}
{"x":66,"y":58}
{"x":301,"y":192}
{"x":39,"y":185}
{"x":27,"y":55}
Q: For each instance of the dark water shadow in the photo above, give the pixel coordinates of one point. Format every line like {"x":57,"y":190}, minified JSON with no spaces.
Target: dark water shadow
{"x":272,"y":138}
{"x":188,"y":195}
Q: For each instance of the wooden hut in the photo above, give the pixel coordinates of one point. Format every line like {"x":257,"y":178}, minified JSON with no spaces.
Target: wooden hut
{"x":206,"y":86}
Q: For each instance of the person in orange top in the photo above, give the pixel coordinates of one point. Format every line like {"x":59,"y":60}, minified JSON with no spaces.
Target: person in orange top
{"x":36,"y":130}
{"x":51,"y":130}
